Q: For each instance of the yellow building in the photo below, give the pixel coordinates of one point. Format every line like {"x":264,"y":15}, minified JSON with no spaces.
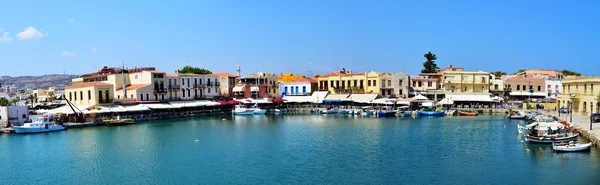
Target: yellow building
{"x":580,"y":94}
{"x":466,"y":82}
{"x":344,"y":82}
{"x":90,"y":93}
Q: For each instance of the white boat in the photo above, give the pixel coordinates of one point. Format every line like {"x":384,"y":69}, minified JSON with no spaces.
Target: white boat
{"x":241,"y":110}
{"x":330,"y":111}
{"x":277,"y":111}
{"x":571,"y":147}
{"x":259,"y":111}
{"x":41,"y":124}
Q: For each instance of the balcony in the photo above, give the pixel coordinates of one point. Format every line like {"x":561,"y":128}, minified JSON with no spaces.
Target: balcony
{"x":160,"y":90}
{"x":217,"y":84}
{"x":297,"y":94}
{"x":174,"y":87}
{"x":105,"y":101}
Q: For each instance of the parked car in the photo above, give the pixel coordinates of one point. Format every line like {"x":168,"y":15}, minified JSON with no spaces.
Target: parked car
{"x":595,"y":118}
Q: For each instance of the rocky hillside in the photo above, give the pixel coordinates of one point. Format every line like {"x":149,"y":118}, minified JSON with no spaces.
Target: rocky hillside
{"x":44,"y":81}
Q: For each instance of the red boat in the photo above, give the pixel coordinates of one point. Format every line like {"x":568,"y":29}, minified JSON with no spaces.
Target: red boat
{"x":467,"y":113}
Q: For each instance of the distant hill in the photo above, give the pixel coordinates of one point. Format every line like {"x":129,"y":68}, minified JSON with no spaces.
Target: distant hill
{"x":44,"y":81}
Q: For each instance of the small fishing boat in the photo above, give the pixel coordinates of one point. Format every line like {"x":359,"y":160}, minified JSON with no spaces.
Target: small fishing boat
{"x":430,"y":113}
{"x":551,"y":139}
{"x":117,"y":121}
{"x":517,"y":115}
{"x":278,"y":111}
{"x":241,"y":110}
{"x":41,"y":124}
{"x":343,"y":111}
{"x":259,"y":111}
{"x":570,"y":147}
{"x":330,"y":111}
{"x":467,"y":113}
{"x":386,"y":113}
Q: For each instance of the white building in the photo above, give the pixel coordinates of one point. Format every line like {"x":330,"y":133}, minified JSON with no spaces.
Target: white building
{"x":300,"y":87}
{"x":16,"y":114}
{"x":554,"y":88}
{"x":193,"y":86}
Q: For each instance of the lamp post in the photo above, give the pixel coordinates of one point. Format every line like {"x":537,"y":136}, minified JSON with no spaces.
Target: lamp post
{"x":571,"y":111}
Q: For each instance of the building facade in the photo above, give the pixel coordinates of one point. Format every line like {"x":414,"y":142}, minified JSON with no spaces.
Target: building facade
{"x":521,"y":88}
{"x":394,"y":85}
{"x":227,"y":82}
{"x":300,"y":87}
{"x":90,"y":93}
{"x":261,"y":85}
{"x":554,"y":88}
{"x":345,"y":82}
{"x":545,"y":74}
{"x":458,"y":82}
{"x":580,"y":94}
{"x":497,"y":86}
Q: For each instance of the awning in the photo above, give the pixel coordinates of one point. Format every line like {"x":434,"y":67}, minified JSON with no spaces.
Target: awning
{"x":66,"y":109}
{"x":251,"y":100}
{"x":403,"y":101}
{"x":238,"y":89}
{"x":299,"y":99}
{"x":161,"y":106}
{"x":427,"y":104}
{"x":387,"y":101}
{"x":135,"y":108}
{"x":339,"y":97}
{"x":253,"y":89}
{"x":362,"y":98}
{"x":319,"y":96}
{"x":472,"y":98}
{"x":528,"y":94}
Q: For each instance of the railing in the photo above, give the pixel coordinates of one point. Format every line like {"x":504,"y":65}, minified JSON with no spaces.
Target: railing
{"x":297,"y":94}
{"x":159,"y":90}
{"x":174,"y":86}
{"x":217,"y":84}
{"x":105,"y":101}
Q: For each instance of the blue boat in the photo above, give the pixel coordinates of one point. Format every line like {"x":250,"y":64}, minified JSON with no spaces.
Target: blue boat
{"x":430,"y":113}
{"x":386,"y":113}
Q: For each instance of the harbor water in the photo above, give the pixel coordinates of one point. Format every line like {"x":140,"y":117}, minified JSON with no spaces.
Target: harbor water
{"x":293,"y":149}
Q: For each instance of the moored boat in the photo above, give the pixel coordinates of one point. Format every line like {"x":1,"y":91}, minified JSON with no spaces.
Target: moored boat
{"x":386,"y":113}
{"x":467,"y":113}
{"x":430,"y":113}
{"x":571,"y":147}
{"x":330,"y":111}
{"x":117,"y":121}
{"x":551,"y":139}
{"x":41,"y":124}
{"x":241,"y":110}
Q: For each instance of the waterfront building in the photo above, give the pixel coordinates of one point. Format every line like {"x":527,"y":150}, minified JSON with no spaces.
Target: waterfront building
{"x":425,"y":85}
{"x":299,"y":87}
{"x":521,"y":88}
{"x":497,"y":86}
{"x":227,"y":82}
{"x":13,"y":115}
{"x":198,"y":86}
{"x":174,"y":91}
{"x":544,"y":73}
{"x":466,"y":86}
{"x":394,"y":85}
{"x":90,"y":93}
{"x":149,"y":84}
{"x":580,"y":94}
{"x":264,"y":85}
{"x":554,"y":88}
{"x":346,"y":82}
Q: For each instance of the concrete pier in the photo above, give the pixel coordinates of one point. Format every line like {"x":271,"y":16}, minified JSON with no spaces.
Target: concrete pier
{"x":582,"y":123}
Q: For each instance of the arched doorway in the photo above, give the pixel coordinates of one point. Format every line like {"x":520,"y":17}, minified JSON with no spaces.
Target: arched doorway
{"x":584,"y":107}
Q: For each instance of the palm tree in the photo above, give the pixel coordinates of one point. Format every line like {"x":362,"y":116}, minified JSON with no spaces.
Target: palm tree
{"x":31,"y":98}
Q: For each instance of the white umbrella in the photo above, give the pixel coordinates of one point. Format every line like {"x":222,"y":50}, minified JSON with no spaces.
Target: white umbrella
{"x":402,"y":101}
{"x":446,"y":101}
{"x":420,"y":97}
{"x":386,"y":101}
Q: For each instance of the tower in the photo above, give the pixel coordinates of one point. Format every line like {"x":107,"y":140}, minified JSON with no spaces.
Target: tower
{"x":239,"y":70}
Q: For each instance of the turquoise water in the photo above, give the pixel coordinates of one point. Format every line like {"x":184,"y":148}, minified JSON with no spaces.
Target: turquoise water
{"x":307,"y":149}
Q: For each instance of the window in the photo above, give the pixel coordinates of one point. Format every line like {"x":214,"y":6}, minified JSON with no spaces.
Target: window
{"x":539,"y":88}
{"x":374,"y":82}
{"x":182,"y":81}
{"x":482,"y":79}
{"x":81,"y":95}
{"x":188,"y":91}
{"x":303,"y":89}
{"x":89,"y":95}
{"x":414,"y":83}
{"x":518,"y":87}
{"x":326,"y":85}
{"x":75,"y":96}
{"x":337,"y":84}
{"x":155,"y":97}
{"x":147,"y":96}
{"x":400,"y":93}
{"x":389,"y":83}
{"x":188,"y":82}
{"x":400,"y":84}
{"x":531,"y":87}
{"x":141,"y":97}
{"x":509,"y":88}
{"x":136,"y":77}
{"x":70,"y":97}
{"x":524,"y":87}
{"x":183,"y":93}
{"x":369,"y":83}
{"x":420,"y":84}
{"x":355,"y":82}
{"x":495,"y":86}
{"x":429,"y":84}
{"x":465,"y":89}
{"x":549,"y":86}
{"x":361,"y":83}
{"x":208,"y":90}
{"x":343,"y":85}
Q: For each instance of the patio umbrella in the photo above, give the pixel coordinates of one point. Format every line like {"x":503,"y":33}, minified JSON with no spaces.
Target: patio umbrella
{"x":233,"y":102}
{"x":279,"y":100}
{"x":420,"y":97}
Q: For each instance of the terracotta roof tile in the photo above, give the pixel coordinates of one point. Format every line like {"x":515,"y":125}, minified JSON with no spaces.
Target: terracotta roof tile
{"x":172,"y":75}
{"x":223,"y":74}
{"x":306,"y":80}
{"x":88,"y":84}
{"x":134,"y":87}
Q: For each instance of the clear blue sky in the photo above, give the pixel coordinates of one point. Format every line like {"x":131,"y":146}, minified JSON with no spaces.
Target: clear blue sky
{"x":293,"y":36}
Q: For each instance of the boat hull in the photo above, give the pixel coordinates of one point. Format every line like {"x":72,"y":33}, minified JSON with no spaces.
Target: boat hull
{"x":27,"y":130}
{"x":260,"y":111}
{"x":119,"y":122}
{"x":576,"y":148}
{"x":330,"y":111}
{"x":386,"y":114}
{"x":532,"y":139}
{"x":247,"y":112}
{"x":467,"y":114}
{"x":430,"y":113}
{"x":516,"y":117}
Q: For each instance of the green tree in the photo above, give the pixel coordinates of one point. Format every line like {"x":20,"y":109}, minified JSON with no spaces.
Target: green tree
{"x":5,"y":102}
{"x":193,"y":70}
{"x":570,"y":73}
{"x":31,"y":98}
{"x":499,"y":73}
{"x":429,"y":66}
{"x":519,"y":71}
